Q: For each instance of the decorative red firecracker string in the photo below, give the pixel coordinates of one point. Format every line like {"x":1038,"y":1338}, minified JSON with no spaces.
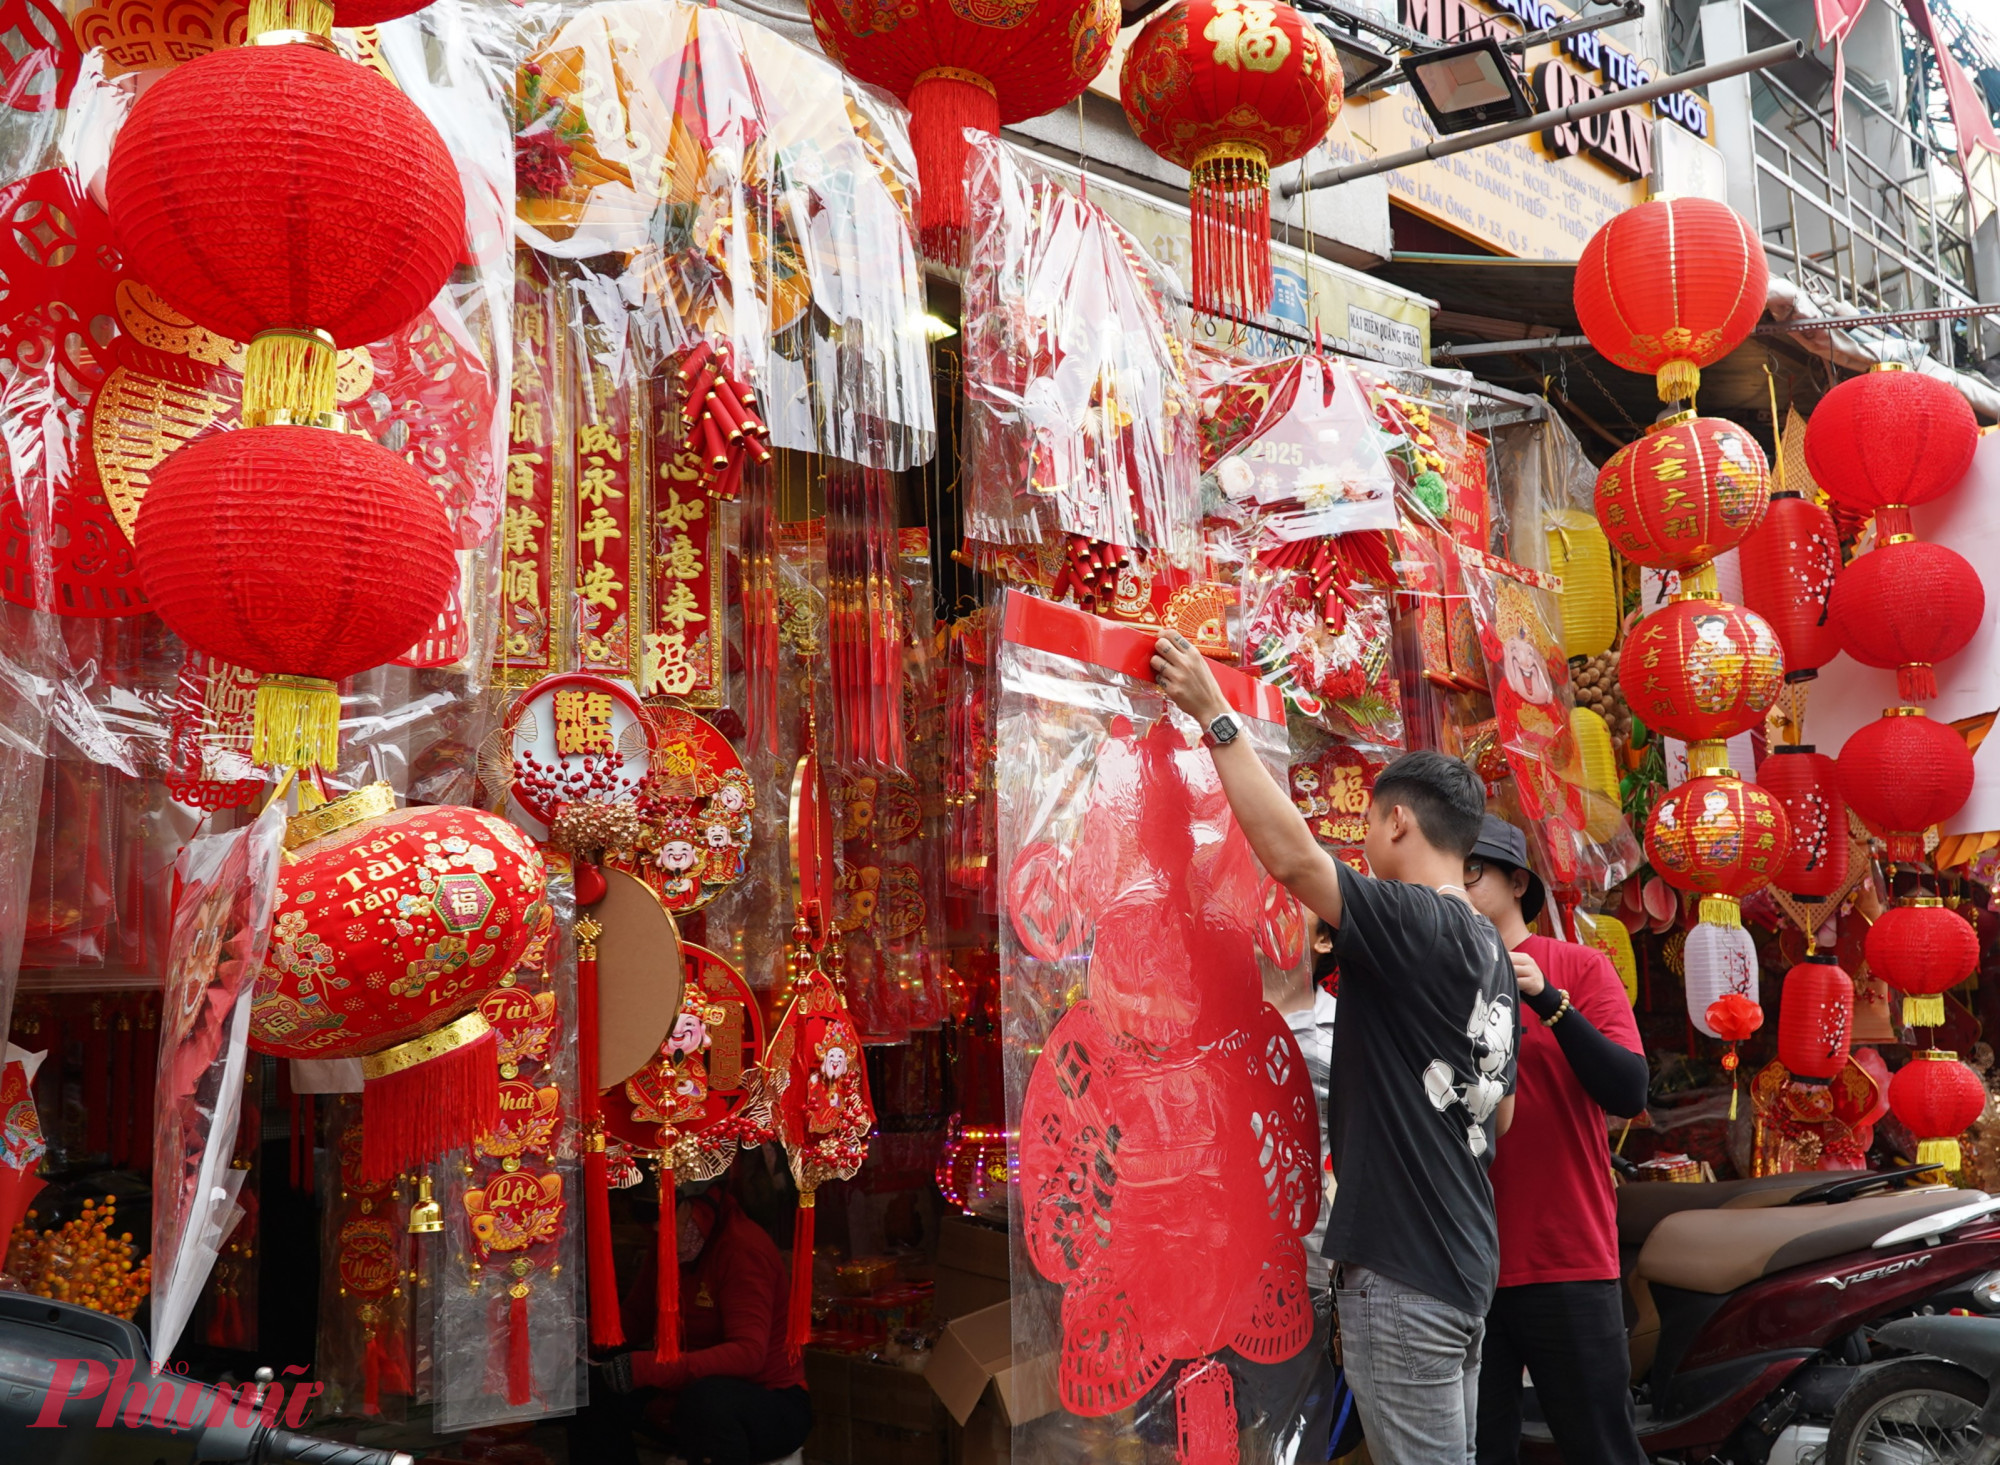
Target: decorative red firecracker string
{"x":723,"y":429}
{"x":1090,"y":571}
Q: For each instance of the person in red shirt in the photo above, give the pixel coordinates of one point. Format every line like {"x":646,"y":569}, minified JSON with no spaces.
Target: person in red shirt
{"x":1558,"y":1311}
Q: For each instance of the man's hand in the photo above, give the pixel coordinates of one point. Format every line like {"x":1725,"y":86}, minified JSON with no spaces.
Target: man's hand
{"x":1183,"y":674}
{"x":1527,"y":974}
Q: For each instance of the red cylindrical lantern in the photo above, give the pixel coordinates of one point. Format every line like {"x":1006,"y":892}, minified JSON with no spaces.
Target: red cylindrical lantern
{"x":1230,"y":91}
{"x":1669,"y":287}
{"x":1689,"y":489}
{"x":300,"y":554}
{"x":967,"y":65}
{"x":1816,"y":1019}
{"x":1922,"y":950}
{"x":1890,"y":440}
{"x":1908,"y":604}
{"x":1937,"y":1098}
{"x":1806,"y":784}
{"x":1719,"y":836}
{"x":1790,"y":562}
{"x":1701,"y":670}
{"x":1903,"y":773}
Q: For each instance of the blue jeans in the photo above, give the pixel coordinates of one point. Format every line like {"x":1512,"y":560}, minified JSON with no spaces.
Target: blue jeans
{"x":1413,"y":1363}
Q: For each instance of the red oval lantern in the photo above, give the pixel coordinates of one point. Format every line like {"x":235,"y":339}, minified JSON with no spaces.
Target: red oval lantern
{"x":1816,"y":1019}
{"x":1790,"y":562}
{"x":1689,"y":489}
{"x":1937,"y":1098}
{"x":301,"y":554}
{"x":1908,"y":604}
{"x":969,"y":63}
{"x":1806,"y":784}
{"x":1669,"y":287}
{"x":1903,"y":773}
{"x":1230,"y":90}
{"x":1922,"y":950}
{"x":1719,"y":836}
{"x":1701,"y":670}
{"x":1890,"y":440}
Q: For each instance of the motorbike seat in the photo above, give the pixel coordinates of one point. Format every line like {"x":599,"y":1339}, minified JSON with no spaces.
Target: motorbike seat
{"x":1720,"y":1251}
{"x":1642,"y":1207}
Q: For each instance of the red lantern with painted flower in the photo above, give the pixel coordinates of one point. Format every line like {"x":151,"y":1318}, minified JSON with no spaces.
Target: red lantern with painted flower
{"x":1806,"y":783}
{"x":1816,"y":1018}
{"x":1791,"y":562}
{"x":1689,"y":489}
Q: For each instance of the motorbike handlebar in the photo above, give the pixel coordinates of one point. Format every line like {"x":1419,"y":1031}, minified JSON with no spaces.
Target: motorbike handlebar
{"x":282,"y":1444}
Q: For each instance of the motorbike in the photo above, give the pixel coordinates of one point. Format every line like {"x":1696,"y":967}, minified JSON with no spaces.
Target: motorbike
{"x":42,"y":1339}
{"x":1797,"y":1320}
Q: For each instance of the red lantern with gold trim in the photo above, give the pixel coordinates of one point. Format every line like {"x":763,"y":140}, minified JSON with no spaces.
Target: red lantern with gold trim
{"x":1229,"y":90}
{"x":1816,"y":1018}
{"x":1670,"y":287}
{"x":1790,"y":564}
{"x":1720,"y":837}
{"x":1689,"y":489}
{"x":1903,"y":773}
{"x":1908,"y":604}
{"x":1886,"y":441}
{"x":1806,"y":784}
{"x":1701,"y":670}
{"x":1937,"y":1098}
{"x":1922,"y":950}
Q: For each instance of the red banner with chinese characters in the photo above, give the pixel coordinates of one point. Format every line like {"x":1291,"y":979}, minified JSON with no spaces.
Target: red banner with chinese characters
{"x":684,"y":642}
{"x":534,"y":521}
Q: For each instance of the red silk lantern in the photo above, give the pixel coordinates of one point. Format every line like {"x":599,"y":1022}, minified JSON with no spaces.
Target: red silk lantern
{"x":1903,"y":773}
{"x":1701,"y":670}
{"x":1908,"y":604}
{"x":1719,"y":836}
{"x":388,"y":926}
{"x":961,"y":65}
{"x":1889,"y":440}
{"x":1229,"y":90}
{"x":1806,"y":784}
{"x":1669,"y":287}
{"x":1816,"y":1019}
{"x":1689,"y":489}
{"x":1937,"y":1098}
{"x":1790,"y":562}
{"x":1923,"y":951}
{"x":301,"y":554}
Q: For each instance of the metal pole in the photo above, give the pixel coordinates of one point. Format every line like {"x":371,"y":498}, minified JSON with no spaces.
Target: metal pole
{"x":1609,"y":102}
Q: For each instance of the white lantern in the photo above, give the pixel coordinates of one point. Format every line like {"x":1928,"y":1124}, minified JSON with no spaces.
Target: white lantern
{"x":1718,"y":960}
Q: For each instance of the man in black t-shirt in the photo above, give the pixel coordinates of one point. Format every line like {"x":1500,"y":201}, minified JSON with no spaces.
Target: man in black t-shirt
{"x":1422,"y":1078}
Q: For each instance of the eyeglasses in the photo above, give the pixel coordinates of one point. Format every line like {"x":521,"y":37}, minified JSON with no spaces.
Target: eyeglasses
{"x":1474,"y":869}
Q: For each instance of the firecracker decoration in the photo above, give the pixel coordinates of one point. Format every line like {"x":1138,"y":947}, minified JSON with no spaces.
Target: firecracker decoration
{"x":390,"y":924}
{"x":374,"y":1255}
{"x":1937,"y":1098}
{"x":866,"y":630}
{"x":1689,"y":489}
{"x":1902,"y":774}
{"x":1909,"y":605}
{"x":1888,"y":440}
{"x":1923,"y":950}
{"x":719,"y":410}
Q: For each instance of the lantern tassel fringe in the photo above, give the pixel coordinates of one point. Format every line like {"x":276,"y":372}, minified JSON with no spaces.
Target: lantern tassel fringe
{"x":1721,"y":910}
{"x":667,"y":1284}
{"x":799,"y":1305}
{"x":944,"y":102}
{"x":1943,"y":1152}
{"x":1923,"y":1011}
{"x":315,"y":17}
{"x":1230,"y":196}
{"x":297,"y":723}
{"x":1678,"y":381}
{"x":289,"y":377}
{"x":1916,"y":681}
{"x":520,"y":1345}
{"x":415,"y":1114}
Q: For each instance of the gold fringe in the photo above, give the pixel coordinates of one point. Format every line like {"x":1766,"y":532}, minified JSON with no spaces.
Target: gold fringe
{"x":1721,"y":910}
{"x":297,"y":723}
{"x":1706,"y":757}
{"x":312,"y":16}
{"x":1943,"y":1152}
{"x":1678,"y":381}
{"x":288,"y":376}
{"x":1923,"y":1011}
{"x":1698,"y":583}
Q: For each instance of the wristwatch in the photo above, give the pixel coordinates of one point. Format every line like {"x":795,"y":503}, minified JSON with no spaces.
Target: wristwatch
{"x":1221,"y":732}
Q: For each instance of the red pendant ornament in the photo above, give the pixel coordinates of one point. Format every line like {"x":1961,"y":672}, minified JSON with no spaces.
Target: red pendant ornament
{"x":962,"y":64}
{"x":1903,"y":773}
{"x":1733,"y":1017}
{"x":1816,"y":1018}
{"x":1889,"y":440}
{"x":1937,"y":1098}
{"x":1806,"y":784}
{"x":1922,"y":950}
{"x":1719,"y":836}
{"x":1790,"y":564}
{"x":1670,"y":287}
{"x":1908,"y":604}
{"x":1689,"y":489}
{"x":1701,"y":671}
{"x":1229,"y":90}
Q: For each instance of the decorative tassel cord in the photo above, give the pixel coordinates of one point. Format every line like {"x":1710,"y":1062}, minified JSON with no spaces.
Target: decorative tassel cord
{"x":943,"y":103}
{"x":315,"y":17}
{"x":1231,"y":200}
{"x":667,"y":1266}
{"x":799,"y":1305}
{"x":414,"y":1114}
{"x":297,"y":723}
{"x":520,"y":1352}
{"x":291,"y":376}
{"x":606,"y":1330}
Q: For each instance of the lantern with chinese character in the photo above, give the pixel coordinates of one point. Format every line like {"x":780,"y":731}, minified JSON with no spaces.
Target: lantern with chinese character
{"x":1806,"y":784}
{"x":1670,"y":287}
{"x":1718,"y":836}
{"x":1229,"y":90}
{"x":1937,"y":1098}
{"x":1903,"y":773}
{"x":1889,"y":440}
{"x":1701,"y":670}
{"x":1922,"y":950}
{"x":1908,"y":604}
{"x":1689,"y":489}
{"x":961,"y":65}
{"x":1790,"y":562}
{"x":1816,"y":1018}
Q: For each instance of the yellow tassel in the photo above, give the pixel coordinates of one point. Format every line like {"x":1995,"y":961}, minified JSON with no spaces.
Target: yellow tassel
{"x":288,"y":376}
{"x":1698,"y":583}
{"x":314,"y":17}
{"x":1707,"y":757}
{"x":297,"y":723}
{"x":1721,"y":910}
{"x":1923,"y":1011}
{"x":1733,"y":1091}
{"x":1940,"y":1152}
{"x":1678,"y":381}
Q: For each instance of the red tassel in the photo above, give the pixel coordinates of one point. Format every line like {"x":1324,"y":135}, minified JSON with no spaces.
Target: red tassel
{"x":371,"y":1376}
{"x":520,"y":1370}
{"x":1916,"y":681}
{"x":667,"y":1284}
{"x":1892,"y":521}
{"x":942,"y":105}
{"x":606,"y":1329}
{"x":412,"y":1116}
{"x":799,"y":1306}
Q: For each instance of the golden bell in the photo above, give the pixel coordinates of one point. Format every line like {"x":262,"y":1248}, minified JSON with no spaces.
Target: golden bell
{"x":426,"y":1216}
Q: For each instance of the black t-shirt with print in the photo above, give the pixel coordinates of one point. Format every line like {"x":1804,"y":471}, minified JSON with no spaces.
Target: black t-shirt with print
{"x":1423,"y":1052}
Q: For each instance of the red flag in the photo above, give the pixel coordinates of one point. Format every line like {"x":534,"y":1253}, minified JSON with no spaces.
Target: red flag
{"x":1969,"y":117}
{"x":1835,"y":20}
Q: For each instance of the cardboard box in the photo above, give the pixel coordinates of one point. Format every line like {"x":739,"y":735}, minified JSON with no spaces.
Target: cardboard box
{"x":883,"y":1393}
{"x":827,"y":1381}
{"x":973,"y":1371}
{"x":972,"y":1268}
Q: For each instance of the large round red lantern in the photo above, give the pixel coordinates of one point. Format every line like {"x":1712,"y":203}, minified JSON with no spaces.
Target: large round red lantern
{"x":1670,"y":287}
{"x":1922,"y":950}
{"x":300,"y":554}
{"x":1689,"y":489}
{"x":1229,"y":90}
{"x":1937,"y":1098}
{"x":1886,"y":441}
{"x":1718,"y":836}
{"x":1806,"y":784}
{"x":1816,"y":1019}
{"x":967,"y":65}
{"x":1701,"y":670}
{"x":387,"y":927}
{"x":1903,"y":773}
{"x":1908,"y":604}
{"x":1790,"y":563}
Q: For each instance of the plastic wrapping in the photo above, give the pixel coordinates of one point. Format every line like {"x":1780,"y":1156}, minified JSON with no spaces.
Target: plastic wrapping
{"x":1169,"y":1138}
{"x":365,"y":1277}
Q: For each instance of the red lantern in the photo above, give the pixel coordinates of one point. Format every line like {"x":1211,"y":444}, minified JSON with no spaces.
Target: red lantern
{"x":1229,"y":90}
{"x":1669,"y":287}
{"x":302,"y":554}
{"x":1937,"y":1098}
{"x":1689,"y":489}
{"x":1887,"y":441}
{"x":1908,"y":604}
{"x":1806,"y":785}
{"x":1816,"y":1019}
{"x":961,"y":65}
{"x":1923,"y":951}
{"x":1903,"y":773}
{"x":388,"y":926}
{"x":1789,"y":563}
{"x":1719,"y":836}
{"x":1701,"y":670}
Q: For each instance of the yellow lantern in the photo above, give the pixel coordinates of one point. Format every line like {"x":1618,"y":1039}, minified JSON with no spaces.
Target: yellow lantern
{"x":1600,"y":773}
{"x":1607,"y":934}
{"x":1580,"y":554}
